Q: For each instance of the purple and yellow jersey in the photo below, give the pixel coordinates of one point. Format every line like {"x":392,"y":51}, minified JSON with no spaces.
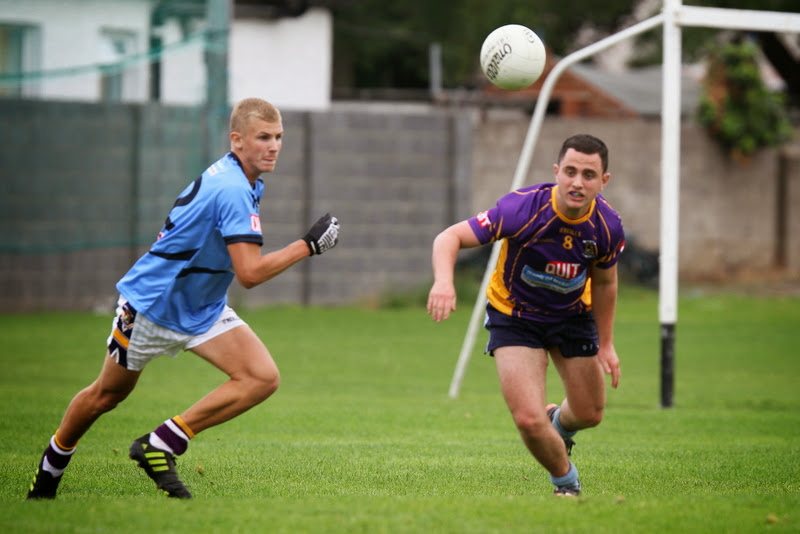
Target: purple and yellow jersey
{"x":546,"y":259}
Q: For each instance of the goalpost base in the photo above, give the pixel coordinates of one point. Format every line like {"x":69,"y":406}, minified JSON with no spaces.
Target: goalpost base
{"x":667,"y":365}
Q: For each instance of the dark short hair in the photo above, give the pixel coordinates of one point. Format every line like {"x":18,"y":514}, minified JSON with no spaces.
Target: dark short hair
{"x":585,"y":144}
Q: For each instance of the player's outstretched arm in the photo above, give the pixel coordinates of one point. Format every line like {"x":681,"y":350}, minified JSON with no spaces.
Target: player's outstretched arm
{"x":442,"y":296}
{"x":252,"y":269}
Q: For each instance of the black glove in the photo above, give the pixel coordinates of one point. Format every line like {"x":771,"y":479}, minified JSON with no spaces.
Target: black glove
{"x":323,"y":235}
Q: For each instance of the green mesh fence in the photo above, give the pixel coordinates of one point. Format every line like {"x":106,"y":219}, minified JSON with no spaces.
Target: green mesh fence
{"x":11,"y":79}
{"x":80,"y":176}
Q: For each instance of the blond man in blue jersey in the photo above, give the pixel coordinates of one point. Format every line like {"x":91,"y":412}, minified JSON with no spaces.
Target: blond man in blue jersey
{"x":174,"y":298}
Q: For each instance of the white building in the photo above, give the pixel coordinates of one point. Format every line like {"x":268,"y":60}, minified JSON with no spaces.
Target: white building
{"x":93,"y":50}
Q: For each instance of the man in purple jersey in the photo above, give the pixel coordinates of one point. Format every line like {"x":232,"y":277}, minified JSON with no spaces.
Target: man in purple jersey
{"x":554,"y":291}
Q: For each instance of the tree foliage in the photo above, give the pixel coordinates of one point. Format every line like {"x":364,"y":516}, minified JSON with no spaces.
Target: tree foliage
{"x":736,"y":107}
{"x":385,"y":44}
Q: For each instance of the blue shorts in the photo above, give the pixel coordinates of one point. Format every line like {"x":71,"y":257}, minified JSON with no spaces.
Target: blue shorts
{"x":575,"y":337}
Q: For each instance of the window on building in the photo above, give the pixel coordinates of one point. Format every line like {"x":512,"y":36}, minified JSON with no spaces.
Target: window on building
{"x":118,"y":79}
{"x":19,"y":53}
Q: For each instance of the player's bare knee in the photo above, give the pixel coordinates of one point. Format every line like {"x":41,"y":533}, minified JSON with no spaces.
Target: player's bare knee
{"x":589,"y":417}
{"x":269,"y":385}
{"x":529,"y":423}
{"x":262,"y":386}
{"x":103,"y":401}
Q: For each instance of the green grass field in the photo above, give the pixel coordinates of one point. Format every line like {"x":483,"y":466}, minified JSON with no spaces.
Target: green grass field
{"x":362,"y":437}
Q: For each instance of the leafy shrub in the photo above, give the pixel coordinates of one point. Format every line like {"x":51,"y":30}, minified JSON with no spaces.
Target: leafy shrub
{"x":736,"y":107}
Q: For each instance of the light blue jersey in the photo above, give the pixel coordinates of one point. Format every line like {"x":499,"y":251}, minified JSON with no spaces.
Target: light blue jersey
{"x":182,"y":282}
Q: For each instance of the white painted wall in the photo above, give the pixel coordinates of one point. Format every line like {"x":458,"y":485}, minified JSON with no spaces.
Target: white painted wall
{"x":286,"y":61}
{"x":183,"y":69}
{"x":71,"y":37}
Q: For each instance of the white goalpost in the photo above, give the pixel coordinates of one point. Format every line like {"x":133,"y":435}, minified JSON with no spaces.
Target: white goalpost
{"x":673,"y":16}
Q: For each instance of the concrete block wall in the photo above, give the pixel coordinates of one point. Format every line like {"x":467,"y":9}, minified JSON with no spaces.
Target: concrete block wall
{"x":729,"y":213}
{"x":790,"y":196}
{"x":88,"y":187}
{"x":393,"y":180}
{"x":65,"y":206}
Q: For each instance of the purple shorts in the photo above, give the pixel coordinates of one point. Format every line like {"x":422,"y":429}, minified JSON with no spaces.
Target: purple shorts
{"x":575,"y":337}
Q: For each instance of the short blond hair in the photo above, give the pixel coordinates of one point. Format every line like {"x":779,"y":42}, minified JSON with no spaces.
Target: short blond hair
{"x":252,"y":108}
